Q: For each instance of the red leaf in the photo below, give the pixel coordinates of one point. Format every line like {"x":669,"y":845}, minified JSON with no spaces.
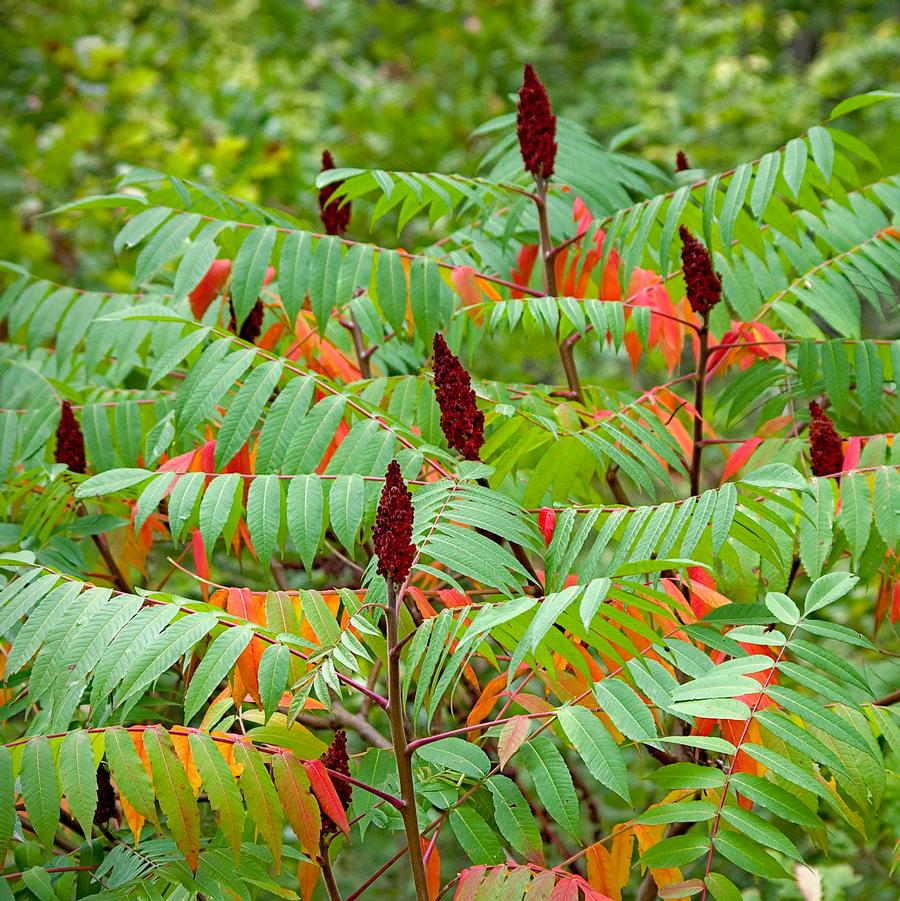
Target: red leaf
{"x":201,"y":564}
{"x":565,"y":890}
{"x":209,"y":287}
{"x":740,"y":457}
{"x":323,"y":789}
{"x":851,"y":455}
{"x":547,"y":523}
{"x":469,"y":882}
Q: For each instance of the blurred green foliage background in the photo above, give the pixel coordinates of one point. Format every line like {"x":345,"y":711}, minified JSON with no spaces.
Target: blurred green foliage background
{"x":246,"y":93}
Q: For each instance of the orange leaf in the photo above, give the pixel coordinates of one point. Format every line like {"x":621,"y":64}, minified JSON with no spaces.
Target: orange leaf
{"x":485,"y":703}
{"x":621,"y":851}
{"x":323,"y":789}
{"x":601,"y":872}
{"x":241,"y":603}
{"x":308,"y":877}
{"x":133,"y":818}
{"x":183,"y":749}
{"x":432,"y":868}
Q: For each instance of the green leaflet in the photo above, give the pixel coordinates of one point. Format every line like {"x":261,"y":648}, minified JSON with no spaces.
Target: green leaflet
{"x":249,"y":270}
{"x":40,"y":789}
{"x":624,"y":707}
{"x":78,"y":777}
{"x":174,"y":793}
{"x":261,"y":798}
{"x":456,"y":755}
{"x":676,"y":851}
{"x":478,"y":840}
{"x":264,"y":506}
{"x":513,"y":816}
{"x":552,"y":782}
{"x":217,"y":663}
{"x":274,"y":668}
{"x":596,"y":748}
{"x":747,"y":854}
{"x":305,"y":515}
{"x":245,"y":410}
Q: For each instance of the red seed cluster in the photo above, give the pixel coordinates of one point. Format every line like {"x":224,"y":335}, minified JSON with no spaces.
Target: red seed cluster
{"x":825,"y":446}
{"x":106,"y":796}
{"x":461,"y":420}
{"x":70,"y":441}
{"x":681,"y":161}
{"x":252,"y":325}
{"x":336,"y":758}
{"x":536,"y":126}
{"x":704,"y":287}
{"x":335,"y":215}
{"x":392,"y":535}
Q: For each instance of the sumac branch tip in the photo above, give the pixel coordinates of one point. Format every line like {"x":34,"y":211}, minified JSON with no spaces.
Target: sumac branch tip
{"x":335,"y":215}
{"x":461,"y":420}
{"x":702,"y":282}
{"x":536,"y":126}
{"x":70,"y":440}
{"x":392,"y":535}
{"x":825,"y":447}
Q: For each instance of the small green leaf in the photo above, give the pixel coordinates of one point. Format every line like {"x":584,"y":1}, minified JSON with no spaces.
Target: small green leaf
{"x":274,"y":667}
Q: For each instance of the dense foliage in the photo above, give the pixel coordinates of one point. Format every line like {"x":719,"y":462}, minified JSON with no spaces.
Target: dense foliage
{"x":285,"y":572}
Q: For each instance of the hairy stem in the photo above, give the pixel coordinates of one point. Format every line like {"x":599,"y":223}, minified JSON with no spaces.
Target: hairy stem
{"x":401,"y":748}
{"x":551,"y":289}
{"x":699,"y":386}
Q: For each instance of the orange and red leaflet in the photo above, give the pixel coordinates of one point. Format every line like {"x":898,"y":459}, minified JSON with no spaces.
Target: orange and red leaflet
{"x":242,"y":603}
{"x":323,"y":789}
{"x":743,"y":345}
{"x":739,"y":458}
{"x":432,"y":858}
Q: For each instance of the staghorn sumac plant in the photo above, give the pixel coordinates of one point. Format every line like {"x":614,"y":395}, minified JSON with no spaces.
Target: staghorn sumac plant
{"x":304,"y":592}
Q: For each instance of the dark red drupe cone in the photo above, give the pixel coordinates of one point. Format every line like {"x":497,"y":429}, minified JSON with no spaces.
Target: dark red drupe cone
{"x":681,"y":161}
{"x":252,"y":325}
{"x":825,"y":447}
{"x":336,"y":758}
{"x":106,"y":796}
{"x":392,"y":535}
{"x":335,"y":215}
{"x":70,"y":441}
{"x":536,"y":126}
{"x":702,"y":283}
{"x":461,"y":420}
